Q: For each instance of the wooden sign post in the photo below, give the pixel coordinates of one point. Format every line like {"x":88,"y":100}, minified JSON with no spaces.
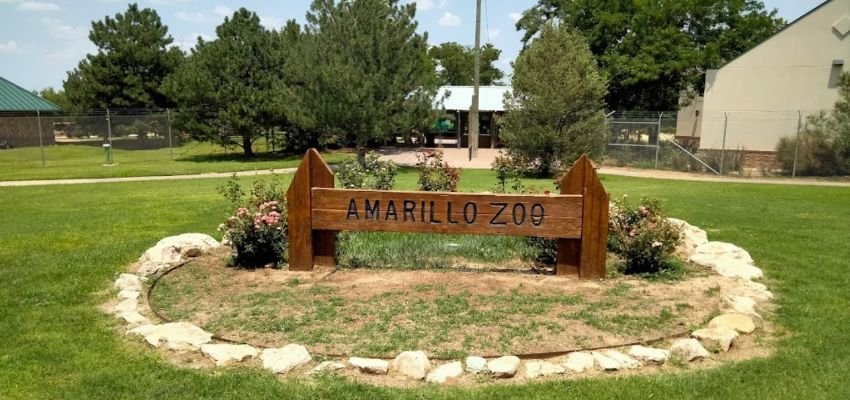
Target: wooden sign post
{"x":578,"y":217}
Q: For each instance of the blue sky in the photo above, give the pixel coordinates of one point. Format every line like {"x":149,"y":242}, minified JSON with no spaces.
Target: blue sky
{"x":41,"y":40}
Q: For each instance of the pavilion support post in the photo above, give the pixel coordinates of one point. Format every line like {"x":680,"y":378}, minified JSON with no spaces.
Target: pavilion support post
{"x":585,"y":257}
{"x":308,"y":247}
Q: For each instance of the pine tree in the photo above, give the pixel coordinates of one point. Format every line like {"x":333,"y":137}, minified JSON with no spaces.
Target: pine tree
{"x":133,"y":58}
{"x":554,"y":114}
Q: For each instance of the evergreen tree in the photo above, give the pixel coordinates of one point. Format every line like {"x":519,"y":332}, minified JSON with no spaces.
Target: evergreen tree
{"x":457,"y":62}
{"x":554,"y":114}
{"x":365,"y":74}
{"x":228,"y":87}
{"x":133,"y":58}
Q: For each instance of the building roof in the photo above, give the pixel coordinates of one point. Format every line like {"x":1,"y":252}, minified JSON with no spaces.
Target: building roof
{"x":459,"y":98}
{"x":16,"y":98}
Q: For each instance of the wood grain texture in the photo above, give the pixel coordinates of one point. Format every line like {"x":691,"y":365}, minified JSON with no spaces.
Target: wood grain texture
{"x":298,"y":218}
{"x":324,"y":241}
{"x":552,"y":216}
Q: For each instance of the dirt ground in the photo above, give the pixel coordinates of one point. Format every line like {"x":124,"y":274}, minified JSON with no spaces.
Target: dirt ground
{"x":447,"y":313}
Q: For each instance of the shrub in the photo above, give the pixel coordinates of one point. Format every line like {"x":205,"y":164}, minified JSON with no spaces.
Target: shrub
{"x":733,"y":160}
{"x":373,"y":174}
{"x":642,"y":236}
{"x":507,"y":169}
{"x":819,"y":152}
{"x":436,"y":175}
{"x":257,"y":230}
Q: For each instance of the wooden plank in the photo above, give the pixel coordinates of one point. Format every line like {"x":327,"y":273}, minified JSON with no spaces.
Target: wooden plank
{"x":324,"y":241}
{"x":299,"y":219}
{"x":569,"y":250}
{"x":362,"y":210}
{"x":595,"y":228}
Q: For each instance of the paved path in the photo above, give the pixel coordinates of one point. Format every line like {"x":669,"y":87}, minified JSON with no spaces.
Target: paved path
{"x":458,"y":158}
{"x":145,"y":178}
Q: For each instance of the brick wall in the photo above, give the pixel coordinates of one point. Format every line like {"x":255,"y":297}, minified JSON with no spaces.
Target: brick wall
{"x":761,"y":161}
{"x":22,"y":131}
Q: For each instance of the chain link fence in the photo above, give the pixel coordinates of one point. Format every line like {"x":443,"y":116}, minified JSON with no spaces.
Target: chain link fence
{"x":802,"y":143}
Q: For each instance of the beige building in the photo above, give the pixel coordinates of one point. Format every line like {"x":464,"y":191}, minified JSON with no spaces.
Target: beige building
{"x":759,"y":96}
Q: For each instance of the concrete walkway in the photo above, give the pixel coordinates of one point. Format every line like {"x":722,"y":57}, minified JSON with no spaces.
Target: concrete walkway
{"x":460,"y":158}
{"x":145,"y":178}
{"x":457,"y":158}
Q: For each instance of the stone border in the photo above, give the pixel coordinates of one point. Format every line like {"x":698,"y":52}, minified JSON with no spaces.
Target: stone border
{"x":740,"y":307}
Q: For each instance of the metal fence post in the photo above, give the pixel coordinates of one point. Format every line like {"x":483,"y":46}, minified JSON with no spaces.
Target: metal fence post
{"x":658,"y":139}
{"x":723,"y":146}
{"x":797,"y":143}
{"x":170,"y":146}
{"x":40,"y":140}
{"x":109,"y":132}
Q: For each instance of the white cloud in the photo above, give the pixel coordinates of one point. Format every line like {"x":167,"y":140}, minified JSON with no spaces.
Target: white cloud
{"x":223,"y":11}
{"x":424,"y":5}
{"x":449,"y":19}
{"x":61,"y":30}
{"x":37,"y":6}
{"x":270,"y":22}
{"x":9,"y":47}
{"x":194,"y":17}
{"x":189,"y":42}
{"x":515,"y":16}
{"x":494,"y":33}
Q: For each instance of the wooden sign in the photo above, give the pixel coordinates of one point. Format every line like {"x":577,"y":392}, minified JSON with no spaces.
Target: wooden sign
{"x":578,"y":217}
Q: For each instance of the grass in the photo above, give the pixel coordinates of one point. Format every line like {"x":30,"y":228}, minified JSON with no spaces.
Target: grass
{"x":450,"y":316}
{"x":61,"y":246}
{"x":80,"y":161}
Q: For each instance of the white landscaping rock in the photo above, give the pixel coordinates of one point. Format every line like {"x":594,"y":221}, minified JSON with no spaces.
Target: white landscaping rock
{"x":126,"y":306}
{"x":134,"y":318}
{"x":605,"y":363}
{"x":688,"y":349}
{"x":624,"y":360}
{"x":128,"y":294}
{"x":692,"y":237}
{"x":728,"y":266}
{"x":370,"y":365}
{"x":224,"y":354}
{"x":171,"y":250}
{"x":503,"y":367}
{"x":475,"y":364}
{"x":738,"y":322}
{"x":536,"y":368}
{"x":716,"y":338}
{"x":327,"y":366}
{"x":129,"y":282}
{"x":412,"y":364}
{"x":578,"y":362}
{"x":445,"y":373}
{"x":754,"y":290}
{"x":284,"y":359}
{"x":178,"y":336}
{"x":721,"y":249}
{"x":740,"y":305}
{"x":649,"y":354}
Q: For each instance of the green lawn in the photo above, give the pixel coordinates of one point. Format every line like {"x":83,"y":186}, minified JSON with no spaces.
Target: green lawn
{"x":61,"y":247}
{"x":79,"y":161}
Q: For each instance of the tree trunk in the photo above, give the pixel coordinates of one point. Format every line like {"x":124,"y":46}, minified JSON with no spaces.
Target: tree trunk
{"x":361,"y":154}
{"x":246,"y":145}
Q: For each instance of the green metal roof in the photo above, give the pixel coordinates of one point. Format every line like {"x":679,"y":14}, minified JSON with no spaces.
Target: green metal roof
{"x":16,"y":98}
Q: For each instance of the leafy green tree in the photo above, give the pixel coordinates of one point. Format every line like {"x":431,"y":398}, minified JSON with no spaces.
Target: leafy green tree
{"x":364,"y":72}
{"x":133,"y":58}
{"x":54,"y":96}
{"x":229,"y":87}
{"x":554,"y":114}
{"x":653,"y":51}
{"x":457,"y":61}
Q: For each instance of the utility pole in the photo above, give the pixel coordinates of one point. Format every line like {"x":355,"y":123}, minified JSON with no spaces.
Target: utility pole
{"x":473,"y":110}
